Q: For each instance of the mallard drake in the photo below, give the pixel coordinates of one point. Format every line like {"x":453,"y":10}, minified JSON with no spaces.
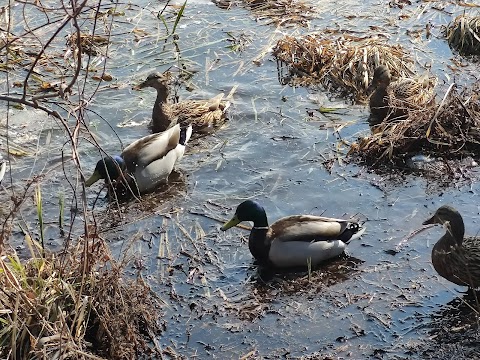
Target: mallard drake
{"x":294,"y":240}
{"x":393,"y":100}
{"x":146,"y":162}
{"x":203,"y":115}
{"x":455,"y":257}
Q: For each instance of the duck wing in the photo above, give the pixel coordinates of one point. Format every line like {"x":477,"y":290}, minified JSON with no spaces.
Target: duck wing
{"x":310,"y":228}
{"x":471,"y":260}
{"x":413,"y":93}
{"x":203,"y":115}
{"x":151,"y":148}
{"x":215,"y":102}
{"x":196,"y":108}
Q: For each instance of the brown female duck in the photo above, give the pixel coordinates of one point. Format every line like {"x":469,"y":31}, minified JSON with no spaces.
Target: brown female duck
{"x":455,"y":257}
{"x":203,"y":115}
{"x":393,"y":100}
{"x":294,"y":241}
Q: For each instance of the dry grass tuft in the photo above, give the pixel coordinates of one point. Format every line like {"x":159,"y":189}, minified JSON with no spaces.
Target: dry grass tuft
{"x":403,"y":96}
{"x":90,"y":44}
{"x":74,"y":306}
{"x":463,"y":34}
{"x":450,"y":130}
{"x":412,"y":93}
{"x":278,"y":12}
{"x":344,"y":65}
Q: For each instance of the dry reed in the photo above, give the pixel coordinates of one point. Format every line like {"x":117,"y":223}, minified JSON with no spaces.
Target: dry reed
{"x":450,"y":130}
{"x":74,"y":306}
{"x":463,"y":34}
{"x":344,"y":65}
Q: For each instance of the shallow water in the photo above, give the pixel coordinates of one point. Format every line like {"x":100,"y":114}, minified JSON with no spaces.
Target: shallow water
{"x":220,"y":304}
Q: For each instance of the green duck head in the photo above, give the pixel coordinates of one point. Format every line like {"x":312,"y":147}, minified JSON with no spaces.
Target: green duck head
{"x":109,"y":168}
{"x":248,"y":210}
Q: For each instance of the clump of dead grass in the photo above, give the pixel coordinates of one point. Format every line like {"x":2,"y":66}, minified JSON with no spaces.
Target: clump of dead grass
{"x":463,"y":34}
{"x":449,"y":130}
{"x":277,"y":12}
{"x":89,"y":44}
{"x":403,"y":96}
{"x":344,"y":65}
{"x":74,"y":306}
{"x":416,"y":93}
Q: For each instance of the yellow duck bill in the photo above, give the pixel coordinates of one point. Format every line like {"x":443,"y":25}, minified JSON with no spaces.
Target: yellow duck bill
{"x":93,"y":179}
{"x":229,"y":224}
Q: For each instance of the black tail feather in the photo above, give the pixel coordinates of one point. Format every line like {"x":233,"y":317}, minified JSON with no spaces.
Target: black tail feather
{"x":185,"y":134}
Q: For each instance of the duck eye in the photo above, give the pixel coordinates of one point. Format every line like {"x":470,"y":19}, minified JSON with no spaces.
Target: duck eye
{"x":354,"y":226}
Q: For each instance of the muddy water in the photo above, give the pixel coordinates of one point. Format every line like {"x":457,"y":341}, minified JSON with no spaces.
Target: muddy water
{"x":219,"y":304}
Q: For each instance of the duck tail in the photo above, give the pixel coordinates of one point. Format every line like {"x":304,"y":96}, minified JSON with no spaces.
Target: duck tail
{"x":185,"y":134}
{"x":354,"y":231}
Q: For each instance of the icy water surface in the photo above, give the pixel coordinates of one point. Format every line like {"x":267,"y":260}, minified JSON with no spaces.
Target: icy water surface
{"x":373,"y":302}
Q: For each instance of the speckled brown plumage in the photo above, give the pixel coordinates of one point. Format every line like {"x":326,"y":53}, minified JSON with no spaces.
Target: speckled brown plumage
{"x":393,"y":100}
{"x":204,"y":115}
{"x":455,"y":257}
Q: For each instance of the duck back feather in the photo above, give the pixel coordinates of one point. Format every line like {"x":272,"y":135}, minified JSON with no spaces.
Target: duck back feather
{"x":311,"y":228}
{"x":151,"y":166}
